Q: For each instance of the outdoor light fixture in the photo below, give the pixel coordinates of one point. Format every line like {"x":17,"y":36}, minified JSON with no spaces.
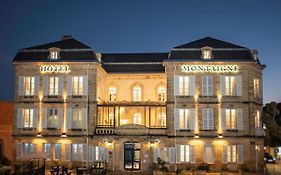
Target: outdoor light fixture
{"x":152,"y":144}
{"x":63,"y":134}
{"x":39,"y":134}
{"x":220,"y":136}
{"x":196,"y":136}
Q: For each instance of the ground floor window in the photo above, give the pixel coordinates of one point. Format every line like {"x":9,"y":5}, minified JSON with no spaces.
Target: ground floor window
{"x":185,"y":153}
{"x":132,"y":156}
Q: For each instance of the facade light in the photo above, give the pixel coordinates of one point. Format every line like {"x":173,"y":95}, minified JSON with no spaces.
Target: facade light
{"x":196,"y":136}
{"x":63,"y":135}
{"x":39,"y":134}
{"x":220,"y":136}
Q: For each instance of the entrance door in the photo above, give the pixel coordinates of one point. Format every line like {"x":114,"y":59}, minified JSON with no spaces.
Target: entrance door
{"x":132,"y":156}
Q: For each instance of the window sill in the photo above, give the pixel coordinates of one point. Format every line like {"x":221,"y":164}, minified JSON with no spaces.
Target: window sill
{"x":51,"y":128}
{"x":208,"y":130}
{"x":53,"y":96}
{"x":29,"y":96}
{"x":232,"y":130}
{"x":184,"y":130}
{"x":208,"y":96}
{"x":28,"y":128}
{"x":77,"y":96}
{"x":77,"y":129}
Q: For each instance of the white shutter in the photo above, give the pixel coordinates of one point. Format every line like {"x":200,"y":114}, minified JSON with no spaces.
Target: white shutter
{"x":176,"y":119}
{"x":211,"y":119}
{"x":156,"y":154}
{"x":224,"y":153}
{"x":67,"y":152}
{"x":222,"y":85}
{"x":240,"y":154}
{"x":69,"y":85}
{"x":85,"y":85}
{"x":176,"y":85}
{"x":21,"y":86}
{"x":57,"y":153}
{"x":85,"y":118}
{"x":69,"y":118}
{"x":35,"y":118}
{"x":205,"y":118}
{"x":45,"y":85}
{"x":210,"y":85}
{"x":178,"y":153}
{"x":36,"y":86}
{"x":204,"y":85}
{"x":44,"y":118}
{"x":19,"y":118}
{"x":192,"y":119}
{"x":91,"y":153}
{"x":85,"y":153}
{"x":60,"y":117}
{"x":191,"y":85}
{"x":192,"y":154}
{"x":172,"y":155}
{"x":223,"y":119}
{"x":61,"y":82}
{"x":105,"y":154}
{"x":18,"y":151}
{"x":239,"y":85}
{"x":34,"y":152}
{"x":239,"y":119}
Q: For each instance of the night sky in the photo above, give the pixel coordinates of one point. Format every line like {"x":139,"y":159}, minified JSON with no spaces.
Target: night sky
{"x":142,"y":26}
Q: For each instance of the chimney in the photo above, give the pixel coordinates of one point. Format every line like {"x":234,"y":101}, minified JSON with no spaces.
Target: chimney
{"x":254,"y":54}
{"x":98,"y":55}
{"x":66,"y":37}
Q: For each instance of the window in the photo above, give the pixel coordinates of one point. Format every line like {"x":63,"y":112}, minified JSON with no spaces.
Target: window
{"x":206,"y":53}
{"x":207,"y":85}
{"x":231,"y":117}
{"x":29,"y":86}
{"x":161,"y":119}
{"x":184,"y":85}
{"x":54,"y":86}
{"x":137,"y":119}
{"x":184,"y":153}
{"x":46,"y":150}
{"x":231,"y":153}
{"x":29,"y":150}
{"x":137,"y":93}
{"x":54,"y":55}
{"x":28,"y":118}
{"x":53,"y":118}
{"x":161,"y":93}
{"x":112,"y":93}
{"x":256,"y":88}
{"x":208,"y":119}
{"x":230,"y":85}
{"x":57,"y":152}
{"x":77,"y":152}
{"x":257,"y":120}
{"x":77,"y":118}
{"x":97,"y":153}
{"x":77,"y":85}
{"x":184,"y":119}
{"x":209,"y":154}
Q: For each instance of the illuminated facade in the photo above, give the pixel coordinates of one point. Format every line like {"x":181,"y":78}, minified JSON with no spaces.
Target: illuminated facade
{"x":200,"y":102}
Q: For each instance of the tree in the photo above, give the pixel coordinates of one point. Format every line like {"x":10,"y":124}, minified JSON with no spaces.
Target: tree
{"x":272,"y":120}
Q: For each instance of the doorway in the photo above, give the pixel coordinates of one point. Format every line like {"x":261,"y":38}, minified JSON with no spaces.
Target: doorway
{"x":132,"y":156}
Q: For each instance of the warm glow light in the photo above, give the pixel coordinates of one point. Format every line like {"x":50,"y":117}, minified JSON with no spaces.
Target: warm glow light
{"x":210,"y":68}
{"x":196,"y":130}
{"x":220,"y":136}
{"x":64,"y":118}
{"x":54,"y":69}
{"x":196,"y":136}
{"x":39,"y":134}
{"x":40,"y":117}
{"x":63,"y":135}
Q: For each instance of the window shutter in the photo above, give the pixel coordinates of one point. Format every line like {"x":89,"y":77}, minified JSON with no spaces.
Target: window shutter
{"x":176,"y":119}
{"x":239,"y":119}
{"x":57,"y":151}
{"x":156,"y":154}
{"x":69,"y":118}
{"x":223,"y":119}
{"x":91,"y":153}
{"x":19,"y":118}
{"x":45,"y":85}
{"x":105,"y":154}
{"x":36,"y":86}
{"x":18,"y":151}
{"x":192,"y":154}
{"x":260,"y":88}
{"x":239,"y":85}
{"x":176,"y":85}
{"x":240,"y":154}
{"x":67,"y":152}
{"x":85,"y":85}
{"x":224,"y":153}
{"x":20,"y":86}
{"x":172,"y":156}
{"x":204,"y":85}
{"x":192,"y":119}
{"x":69,"y":85}
{"x":35,"y":118}
{"x":178,"y":153}
{"x":60,"y":117}
{"x":34,"y":152}
{"x":191,"y":85}
{"x":85,"y":153}
{"x":61,"y":82}
{"x":211,"y":119}
{"x":210,"y":86}
{"x":44,"y":118}
{"x":205,"y":118}
{"x":222,"y":85}
{"x":85,"y":118}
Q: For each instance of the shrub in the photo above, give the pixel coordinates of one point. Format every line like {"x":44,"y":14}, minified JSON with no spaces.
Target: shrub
{"x":161,"y":165}
{"x":203,"y":166}
{"x":5,"y":161}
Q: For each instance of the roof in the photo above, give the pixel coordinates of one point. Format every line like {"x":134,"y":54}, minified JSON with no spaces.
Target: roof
{"x":209,"y":41}
{"x":134,"y":57}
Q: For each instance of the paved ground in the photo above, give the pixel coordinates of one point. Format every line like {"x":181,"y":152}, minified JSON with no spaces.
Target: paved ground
{"x":274,"y":168}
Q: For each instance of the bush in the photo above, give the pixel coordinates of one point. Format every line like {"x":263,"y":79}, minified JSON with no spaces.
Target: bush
{"x":203,"y":166}
{"x":161,"y":165}
{"x":5,"y":161}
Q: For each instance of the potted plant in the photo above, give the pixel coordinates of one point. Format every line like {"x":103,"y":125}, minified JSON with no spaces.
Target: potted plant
{"x":202,"y":168}
{"x":160,"y":167}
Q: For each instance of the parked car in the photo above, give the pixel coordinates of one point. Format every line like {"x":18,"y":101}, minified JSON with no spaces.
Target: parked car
{"x":269,"y":158}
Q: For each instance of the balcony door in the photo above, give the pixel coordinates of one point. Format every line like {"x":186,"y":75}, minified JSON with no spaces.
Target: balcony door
{"x":132,"y":156}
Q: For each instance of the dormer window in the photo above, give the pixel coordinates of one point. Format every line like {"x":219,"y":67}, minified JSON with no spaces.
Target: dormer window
{"x":206,"y":53}
{"x":54,"y":53}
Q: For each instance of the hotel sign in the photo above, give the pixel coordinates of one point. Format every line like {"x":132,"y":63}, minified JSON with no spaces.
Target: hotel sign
{"x":210,"y":68}
{"x":54,"y":69}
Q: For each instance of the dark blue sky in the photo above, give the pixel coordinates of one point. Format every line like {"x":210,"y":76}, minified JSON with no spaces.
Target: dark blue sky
{"x":142,"y":26}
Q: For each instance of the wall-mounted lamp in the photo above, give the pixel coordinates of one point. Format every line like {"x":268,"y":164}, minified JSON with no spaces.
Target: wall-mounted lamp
{"x":39,"y":134}
{"x":196,"y":136}
{"x":63,"y":135}
{"x":220,"y":136}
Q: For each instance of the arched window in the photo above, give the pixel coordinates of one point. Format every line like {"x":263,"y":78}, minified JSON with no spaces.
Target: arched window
{"x":161,"y":93}
{"x":137,"y":93}
{"x":112,"y":93}
{"x":137,"y":118}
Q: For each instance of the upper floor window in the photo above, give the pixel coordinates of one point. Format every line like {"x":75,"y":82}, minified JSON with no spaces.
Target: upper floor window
{"x":28,"y":118}
{"x":137,"y":118}
{"x":208,"y":119}
{"x":184,"y":85}
{"x":54,"y":53}
{"x":231,"y":85}
{"x":137,"y":93}
{"x":161,"y":93}
{"x":54,"y":86}
{"x":207,"y":85}
{"x":232,"y":119}
{"x":112,"y":93}
{"x":77,"y":85}
{"x":206,"y":53}
{"x":53,"y":118}
{"x":77,"y":118}
{"x":29,"y":86}
{"x":232,"y":154}
{"x":184,"y":119}
{"x":258,"y":119}
{"x":256,"y":88}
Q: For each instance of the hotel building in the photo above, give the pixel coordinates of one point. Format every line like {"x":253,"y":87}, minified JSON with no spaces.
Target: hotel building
{"x":199,"y":102}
